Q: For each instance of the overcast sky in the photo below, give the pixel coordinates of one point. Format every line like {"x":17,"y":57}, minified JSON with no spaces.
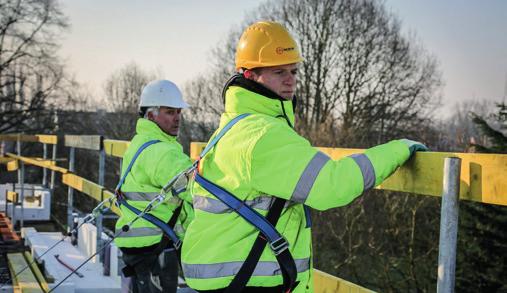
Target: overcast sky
{"x":469,"y":38}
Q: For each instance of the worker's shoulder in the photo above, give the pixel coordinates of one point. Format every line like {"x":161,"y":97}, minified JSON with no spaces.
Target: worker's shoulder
{"x":158,"y":149}
{"x":262,"y":122}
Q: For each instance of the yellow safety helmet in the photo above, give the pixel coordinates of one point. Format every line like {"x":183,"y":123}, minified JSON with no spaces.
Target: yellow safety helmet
{"x":264,"y":44}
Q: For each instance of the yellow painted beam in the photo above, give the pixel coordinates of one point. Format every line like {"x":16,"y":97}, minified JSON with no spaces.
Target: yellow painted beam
{"x":26,"y":281}
{"x":115,"y":148}
{"x":326,"y":283}
{"x":196,"y":149}
{"x":12,"y":164}
{"x":36,"y":272}
{"x":12,"y":196}
{"x":40,"y":162}
{"x":85,"y":186}
{"x":49,"y":139}
{"x":483,"y":176}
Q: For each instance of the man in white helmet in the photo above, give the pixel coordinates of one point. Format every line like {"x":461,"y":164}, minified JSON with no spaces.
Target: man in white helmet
{"x":152,"y":159}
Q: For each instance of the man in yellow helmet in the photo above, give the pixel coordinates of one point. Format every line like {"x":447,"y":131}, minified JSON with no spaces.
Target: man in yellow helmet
{"x":258,"y":178}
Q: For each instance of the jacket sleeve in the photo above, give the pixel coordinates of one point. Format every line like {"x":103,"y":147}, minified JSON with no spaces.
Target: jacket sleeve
{"x":170,"y":163}
{"x":285,"y":165}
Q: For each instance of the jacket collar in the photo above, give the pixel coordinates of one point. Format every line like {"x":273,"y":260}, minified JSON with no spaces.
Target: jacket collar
{"x":246,"y":96}
{"x":150,"y":128}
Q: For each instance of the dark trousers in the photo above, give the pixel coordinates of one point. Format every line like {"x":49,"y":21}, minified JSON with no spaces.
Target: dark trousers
{"x":154,"y":273}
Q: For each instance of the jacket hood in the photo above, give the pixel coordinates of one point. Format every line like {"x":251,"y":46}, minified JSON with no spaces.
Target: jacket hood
{"x":246,"y":96}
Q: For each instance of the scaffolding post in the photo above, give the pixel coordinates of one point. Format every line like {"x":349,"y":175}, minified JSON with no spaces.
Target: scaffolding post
{"x":52,"y":171}
{"x":22,"y":196}
{"x":21,"y":183}
{"x":70,"y":193}
{"x":98,"y":220}
{"x":44,"y":170}
{"x":449,"y":226}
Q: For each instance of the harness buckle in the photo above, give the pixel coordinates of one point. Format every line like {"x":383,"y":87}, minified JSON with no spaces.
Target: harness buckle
{"x":177,"y":245}
{"x":279,"y":245}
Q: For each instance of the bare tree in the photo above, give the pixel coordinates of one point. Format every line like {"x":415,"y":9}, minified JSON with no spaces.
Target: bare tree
{"x":361,"y":77}
{"x":122,"y":91}
{"x":30,"y":72}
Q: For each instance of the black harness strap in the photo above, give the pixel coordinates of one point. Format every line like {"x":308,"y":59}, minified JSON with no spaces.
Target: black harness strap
{"x":285,"y":260}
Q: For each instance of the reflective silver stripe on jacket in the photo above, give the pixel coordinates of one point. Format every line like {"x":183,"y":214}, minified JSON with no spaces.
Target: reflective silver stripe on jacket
{"x":366,"y":169}
{"x":149,"y":196}
{"x":140,"y":232}
{"x":215,"y":206}
{"x":140,"y":196}
{"x":307,"y":179}
{"x":218,"y":270}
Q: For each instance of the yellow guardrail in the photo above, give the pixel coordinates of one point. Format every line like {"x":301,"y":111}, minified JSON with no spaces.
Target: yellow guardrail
{"x":26,"y":281}
{"x":85,"y":186}
{"x":482,"y":175}
{"x":40,"y":162}
{"x":12,"y":196}
{"x":482,"y":180}
{"x":326,"y":283}
{"x":36,"y":272}
{"x":42,"y":138}
{"x":115,"y":148}
{"x":12,"y":164}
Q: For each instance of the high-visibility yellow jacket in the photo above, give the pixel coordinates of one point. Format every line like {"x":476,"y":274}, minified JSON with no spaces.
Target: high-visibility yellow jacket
{"x":153,"y":168}
{"x":259,"y":158}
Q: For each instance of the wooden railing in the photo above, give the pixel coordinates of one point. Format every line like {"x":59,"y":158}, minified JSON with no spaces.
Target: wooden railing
{"x":483,"y":176}
{"x":482,"y":179}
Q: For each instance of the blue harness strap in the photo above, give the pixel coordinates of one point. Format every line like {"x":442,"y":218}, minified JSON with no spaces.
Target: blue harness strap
{"x":265,"y":226}
{"x":276,"y":241}
{"x":148,"y":217}
{"x":155,"y":221}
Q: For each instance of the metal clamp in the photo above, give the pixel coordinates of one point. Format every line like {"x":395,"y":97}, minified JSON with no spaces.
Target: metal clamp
{"x":279,"y":245}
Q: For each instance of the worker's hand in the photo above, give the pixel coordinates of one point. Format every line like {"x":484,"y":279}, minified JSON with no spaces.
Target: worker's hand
{"x":414,"y":146}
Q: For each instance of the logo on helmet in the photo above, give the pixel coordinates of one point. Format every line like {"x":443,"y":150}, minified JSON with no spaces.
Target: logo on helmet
{"x":280,"y":50}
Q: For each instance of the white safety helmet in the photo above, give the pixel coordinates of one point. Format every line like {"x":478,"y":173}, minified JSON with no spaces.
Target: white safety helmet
{"x":162,"y":93}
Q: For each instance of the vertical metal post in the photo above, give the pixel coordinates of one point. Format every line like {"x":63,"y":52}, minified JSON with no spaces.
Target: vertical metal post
{"x":21,"y":180}
{"x":449,"y":226}
{"x":44,"y":170}
{"x":70,"y":193}
{"x":98,"y":220}
{"x":52,"y":171}
{"x":22,"y":195}
{"x":13,"y":206}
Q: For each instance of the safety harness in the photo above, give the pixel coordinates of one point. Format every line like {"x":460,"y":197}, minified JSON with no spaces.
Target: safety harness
{"x":265,"y":225}
{"x":169,"y":236}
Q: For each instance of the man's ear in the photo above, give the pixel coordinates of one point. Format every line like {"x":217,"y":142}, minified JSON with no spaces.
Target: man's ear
{"x":248,"y":74}
{"x":150,"y":116}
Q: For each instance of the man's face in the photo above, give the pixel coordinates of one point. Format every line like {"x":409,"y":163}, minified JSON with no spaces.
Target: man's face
{"x":280,"y":79}
{"x":168,"y":119}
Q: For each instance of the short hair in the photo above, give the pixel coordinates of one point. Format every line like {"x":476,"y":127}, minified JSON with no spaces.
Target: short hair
{"x":143,"y":112}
